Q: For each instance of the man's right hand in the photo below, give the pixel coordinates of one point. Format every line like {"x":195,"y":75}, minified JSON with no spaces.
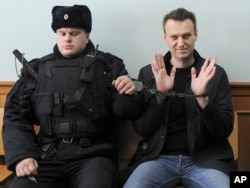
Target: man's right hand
{"x":164,"y":82}
{"x":27,"y":167}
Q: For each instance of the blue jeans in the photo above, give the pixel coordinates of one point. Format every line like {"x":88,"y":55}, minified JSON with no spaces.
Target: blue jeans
{"x":168,"y":171}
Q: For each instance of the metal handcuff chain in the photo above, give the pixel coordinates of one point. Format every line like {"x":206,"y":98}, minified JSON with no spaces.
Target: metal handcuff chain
{"x":140,"y":86}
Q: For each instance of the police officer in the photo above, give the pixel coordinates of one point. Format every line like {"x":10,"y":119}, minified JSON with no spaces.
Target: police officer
{"x":75,"y":97}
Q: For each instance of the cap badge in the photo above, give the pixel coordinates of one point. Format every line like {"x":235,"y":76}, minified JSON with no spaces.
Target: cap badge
{"x":66,"y":16}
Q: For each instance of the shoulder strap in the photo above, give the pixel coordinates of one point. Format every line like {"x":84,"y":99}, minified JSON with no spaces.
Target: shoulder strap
{"x":47,"y":57}
{"x":89,"y":65}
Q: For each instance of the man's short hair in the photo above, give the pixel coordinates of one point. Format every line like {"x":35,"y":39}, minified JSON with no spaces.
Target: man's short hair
{"x":179,"y":14}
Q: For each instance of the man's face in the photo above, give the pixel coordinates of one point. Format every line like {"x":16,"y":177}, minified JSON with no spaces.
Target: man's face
{"x":71,"y":41}
{"x":180,"y":37}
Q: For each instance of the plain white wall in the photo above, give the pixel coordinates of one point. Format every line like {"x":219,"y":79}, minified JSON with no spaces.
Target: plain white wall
{"x":130,"y":29}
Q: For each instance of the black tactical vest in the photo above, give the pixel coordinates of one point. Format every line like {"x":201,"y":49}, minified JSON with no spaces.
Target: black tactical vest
{"x":73,"y":97}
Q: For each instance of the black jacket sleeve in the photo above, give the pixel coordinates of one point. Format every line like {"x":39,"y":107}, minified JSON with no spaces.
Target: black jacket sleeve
{"x":124,"y":106}
{"x":152,"y":113}
{"x":18,"y":133}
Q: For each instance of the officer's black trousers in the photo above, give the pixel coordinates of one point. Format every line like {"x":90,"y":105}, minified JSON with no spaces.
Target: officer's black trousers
{"x":95,"y":172}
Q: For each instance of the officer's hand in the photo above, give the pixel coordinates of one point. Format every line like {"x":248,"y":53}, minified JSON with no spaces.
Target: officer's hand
{"x":124,"y":85}
{"x":26,"y":167}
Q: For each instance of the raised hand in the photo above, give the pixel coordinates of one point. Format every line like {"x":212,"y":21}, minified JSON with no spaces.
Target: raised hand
{"x":199,"y":83}
{"x":164,"y":82}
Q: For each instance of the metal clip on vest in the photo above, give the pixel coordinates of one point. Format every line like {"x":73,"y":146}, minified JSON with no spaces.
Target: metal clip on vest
{"x":68,"y":140}
{"x":93,"y":54}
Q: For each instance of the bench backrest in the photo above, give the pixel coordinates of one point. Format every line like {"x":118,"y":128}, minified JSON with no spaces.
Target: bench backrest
{"x":233,"y":138}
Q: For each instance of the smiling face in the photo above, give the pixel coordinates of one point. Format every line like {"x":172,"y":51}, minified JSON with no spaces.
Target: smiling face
{"x":180,"y":36}
{"x":71,"y":41}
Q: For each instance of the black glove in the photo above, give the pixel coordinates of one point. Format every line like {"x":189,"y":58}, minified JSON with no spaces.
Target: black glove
{"x":27,"y":110}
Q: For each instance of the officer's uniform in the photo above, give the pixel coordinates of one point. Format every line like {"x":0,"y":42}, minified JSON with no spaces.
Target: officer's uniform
{"x":75,"y":104}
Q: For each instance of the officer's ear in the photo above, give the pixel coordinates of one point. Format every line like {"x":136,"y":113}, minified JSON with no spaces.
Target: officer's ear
{"x":88,"y":37}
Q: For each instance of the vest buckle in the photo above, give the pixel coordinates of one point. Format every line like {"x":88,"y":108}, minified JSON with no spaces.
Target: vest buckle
{"x":68,"y":140}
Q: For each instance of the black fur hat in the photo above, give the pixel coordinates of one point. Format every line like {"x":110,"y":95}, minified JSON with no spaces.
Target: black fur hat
{"x":71,"y":16}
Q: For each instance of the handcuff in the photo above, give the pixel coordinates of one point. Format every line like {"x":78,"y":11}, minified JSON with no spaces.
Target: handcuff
{"x":139,"y":86}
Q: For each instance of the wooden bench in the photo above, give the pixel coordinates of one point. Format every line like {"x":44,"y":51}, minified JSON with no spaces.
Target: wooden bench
{"x":5,"y":174}
{"x":233,"y":138}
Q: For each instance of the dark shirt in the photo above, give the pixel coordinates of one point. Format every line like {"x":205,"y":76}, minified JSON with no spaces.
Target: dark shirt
{"x":176,"y":141}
